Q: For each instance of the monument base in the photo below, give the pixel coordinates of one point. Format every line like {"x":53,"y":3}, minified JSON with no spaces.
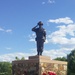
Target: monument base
{"x":39,"y":65}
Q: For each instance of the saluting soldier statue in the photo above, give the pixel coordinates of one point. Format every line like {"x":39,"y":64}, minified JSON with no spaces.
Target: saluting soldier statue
{"x":40,"y":37}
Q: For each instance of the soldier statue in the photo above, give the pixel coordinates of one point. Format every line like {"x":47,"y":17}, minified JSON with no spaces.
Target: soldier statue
{"x":40,"y":37}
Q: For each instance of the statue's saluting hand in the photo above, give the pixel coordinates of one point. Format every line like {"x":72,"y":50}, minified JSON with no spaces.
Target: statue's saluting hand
{"x":40,"y":35}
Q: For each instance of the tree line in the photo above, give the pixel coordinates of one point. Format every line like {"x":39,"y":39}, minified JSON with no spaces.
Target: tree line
{"x":6,"y":67}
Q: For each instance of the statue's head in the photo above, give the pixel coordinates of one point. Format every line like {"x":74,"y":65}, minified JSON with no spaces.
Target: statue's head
{"x":40,"y":23}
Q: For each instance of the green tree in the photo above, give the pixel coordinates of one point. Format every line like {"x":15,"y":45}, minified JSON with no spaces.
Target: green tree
{"x":17,"y":58}
{"x":22,"y":58}
{"x":61,"y":58}
{"x":71,"y":63}
{"x":5,"y":68}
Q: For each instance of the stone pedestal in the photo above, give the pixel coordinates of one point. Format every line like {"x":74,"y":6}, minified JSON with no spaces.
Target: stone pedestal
{"x":37,"y":65}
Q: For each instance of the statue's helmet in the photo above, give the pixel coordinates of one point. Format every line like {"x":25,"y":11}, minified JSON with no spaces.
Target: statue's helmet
{"x":40,"y":23}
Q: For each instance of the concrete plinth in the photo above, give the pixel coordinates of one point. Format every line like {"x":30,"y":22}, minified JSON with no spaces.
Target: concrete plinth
{"x":37,"y":65}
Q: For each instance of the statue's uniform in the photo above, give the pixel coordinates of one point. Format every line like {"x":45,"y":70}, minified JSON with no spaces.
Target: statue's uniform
{"x":40,"y":39}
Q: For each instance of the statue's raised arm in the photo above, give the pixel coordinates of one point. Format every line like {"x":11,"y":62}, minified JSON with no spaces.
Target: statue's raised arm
{"x":40,"y":37}
{"x":34,"y":28}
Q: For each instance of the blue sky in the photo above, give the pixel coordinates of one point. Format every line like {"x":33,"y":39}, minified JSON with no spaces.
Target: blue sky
{"x":17,"y":17}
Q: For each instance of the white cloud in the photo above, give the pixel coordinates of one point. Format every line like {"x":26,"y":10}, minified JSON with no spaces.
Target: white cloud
{"x":48,"y":2}
{"x":4,"y":30}
{"x":62,"y":52}
{"x":43,"y":2}
{"x":59,"y":40}
{"x":8,"y":30}
{"x":69,"y":29}
{"x":32,"y":40}
{"x":32,"y":37}
{"x":65,"y":35}
{"x":51,"y":1}
{"x":46,"y":41}
{"x":65,"y":20}
{"x":51,"y":53}
{"x":54,"y":53}
{"x":11,"y":57}
{"x":8,"y":48}
{"x":61,"y":36}
{"x":1,"y":29}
